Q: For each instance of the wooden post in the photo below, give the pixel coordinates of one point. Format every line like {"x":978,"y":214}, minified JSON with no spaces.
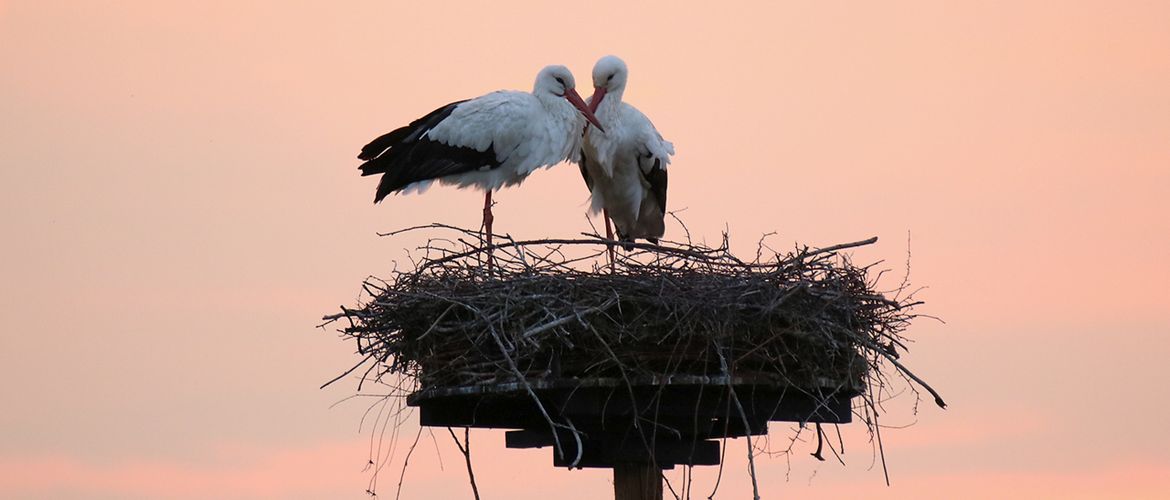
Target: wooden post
{"x":637,"y":481}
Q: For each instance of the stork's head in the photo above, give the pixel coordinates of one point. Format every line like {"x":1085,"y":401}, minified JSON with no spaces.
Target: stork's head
{"x":609,"y":77}
{"x":558,"y":81}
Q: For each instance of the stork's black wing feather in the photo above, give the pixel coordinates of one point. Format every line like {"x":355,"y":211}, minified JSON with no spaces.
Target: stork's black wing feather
{"x":402,"y":134}
{"x":426,"y":160}
{"x":403,"y":156}
{"x":584,"y":172}
{"x":656,"y":177}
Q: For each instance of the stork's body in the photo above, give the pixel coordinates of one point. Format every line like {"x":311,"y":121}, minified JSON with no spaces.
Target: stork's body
{"x":489,"y":142}
{"x":624,"y":166}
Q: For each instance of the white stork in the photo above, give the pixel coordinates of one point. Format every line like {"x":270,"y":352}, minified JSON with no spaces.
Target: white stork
{"x":488,"y":142}
{"x":624,"y":165}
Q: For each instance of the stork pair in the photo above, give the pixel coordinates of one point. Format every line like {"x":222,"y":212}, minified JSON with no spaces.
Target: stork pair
{"x":498,"y":139}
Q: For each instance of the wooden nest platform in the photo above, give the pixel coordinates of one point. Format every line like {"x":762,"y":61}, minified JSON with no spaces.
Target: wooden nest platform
{"x":651,"y":359}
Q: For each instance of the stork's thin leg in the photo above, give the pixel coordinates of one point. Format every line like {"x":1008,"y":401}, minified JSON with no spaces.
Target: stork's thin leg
{"x":487,"y":217}
{"x":608,"y":236}
{"x":487,"y":226}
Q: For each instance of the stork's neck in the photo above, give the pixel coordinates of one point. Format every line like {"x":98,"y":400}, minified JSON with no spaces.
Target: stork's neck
{"x":548,"y":99}
{"x":610,"y":104}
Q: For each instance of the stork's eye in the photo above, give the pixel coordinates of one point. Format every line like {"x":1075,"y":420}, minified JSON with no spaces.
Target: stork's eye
{"x":610,"y":78}
{"x":560,"y":81}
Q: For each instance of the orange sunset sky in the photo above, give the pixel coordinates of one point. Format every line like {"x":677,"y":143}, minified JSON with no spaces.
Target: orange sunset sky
{"x":180,"y":204}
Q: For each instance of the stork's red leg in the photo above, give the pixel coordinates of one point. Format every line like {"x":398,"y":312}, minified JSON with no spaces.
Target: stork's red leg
{"x":487,"y":225}
{"x":487,"y":217}
{"x":608,"y":236}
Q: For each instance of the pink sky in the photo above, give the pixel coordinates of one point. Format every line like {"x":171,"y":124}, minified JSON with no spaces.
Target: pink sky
{"x":179,"y":204}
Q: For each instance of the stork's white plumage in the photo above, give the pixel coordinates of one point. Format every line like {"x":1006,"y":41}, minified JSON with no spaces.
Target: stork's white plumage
{"x":489,"y":142}
{"x":624,"y":164}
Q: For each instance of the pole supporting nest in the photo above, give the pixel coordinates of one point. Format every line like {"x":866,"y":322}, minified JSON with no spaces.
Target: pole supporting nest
{"x":637,"y":481}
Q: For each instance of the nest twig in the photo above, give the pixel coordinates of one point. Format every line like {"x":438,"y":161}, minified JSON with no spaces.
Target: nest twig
{"x":556,"y":309}
{"x":551,"y":309}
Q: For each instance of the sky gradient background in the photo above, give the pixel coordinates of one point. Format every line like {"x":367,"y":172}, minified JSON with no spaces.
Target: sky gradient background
{"x":179,"y":205}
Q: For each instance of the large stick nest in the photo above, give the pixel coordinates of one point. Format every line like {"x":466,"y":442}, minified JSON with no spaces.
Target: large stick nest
{"x":545,"y":309}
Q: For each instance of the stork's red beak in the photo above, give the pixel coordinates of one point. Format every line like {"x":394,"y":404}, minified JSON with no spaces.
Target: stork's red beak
{"x":574,"y":98}
{"x":595,"y":101}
